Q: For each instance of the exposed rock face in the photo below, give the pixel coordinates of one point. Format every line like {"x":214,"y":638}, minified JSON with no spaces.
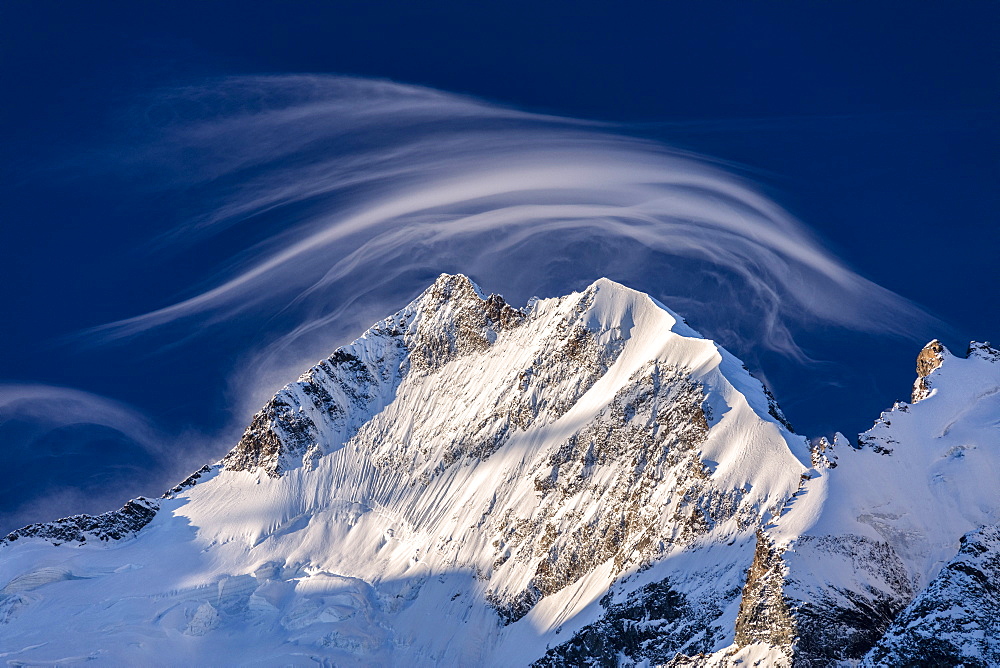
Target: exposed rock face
{"x":287,"y":432}
{"x":450,"y":319}
{"x":455,"y":318}
{"x":928,"y":360}
{"x":821,"y":450}
{"x":836,"y":622}
{"x":652,"y":625}
{"x":644,"y":442}
{"x":113,"y":525}
{"x":775,"y":410}
{"x":764,"y":615}
{"x":983,"y":351}
{"x":955,"y":620}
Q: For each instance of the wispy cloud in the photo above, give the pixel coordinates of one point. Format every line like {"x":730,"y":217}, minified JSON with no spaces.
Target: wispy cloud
{"x":48,"y":407}
{"x":367,"y":182}
{"x":70,"y":451}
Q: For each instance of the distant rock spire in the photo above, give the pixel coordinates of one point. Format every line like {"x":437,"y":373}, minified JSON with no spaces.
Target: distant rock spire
{"x":928,"y":360}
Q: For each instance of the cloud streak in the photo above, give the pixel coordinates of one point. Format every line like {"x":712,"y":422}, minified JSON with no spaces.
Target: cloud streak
{"x":365,"y":189}
{"x":48,"y":407}
{"x":71,"y":451}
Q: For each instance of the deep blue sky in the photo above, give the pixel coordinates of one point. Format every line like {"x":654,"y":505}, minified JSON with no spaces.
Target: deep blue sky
{"x":874,"y":123}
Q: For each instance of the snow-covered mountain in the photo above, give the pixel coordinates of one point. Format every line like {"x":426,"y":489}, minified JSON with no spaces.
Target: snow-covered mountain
{"x":582,"y":481}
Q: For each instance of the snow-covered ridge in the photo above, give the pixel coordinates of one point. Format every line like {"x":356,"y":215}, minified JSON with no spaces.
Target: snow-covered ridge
{"x":582,"y":479}
{"x":867,"y":536}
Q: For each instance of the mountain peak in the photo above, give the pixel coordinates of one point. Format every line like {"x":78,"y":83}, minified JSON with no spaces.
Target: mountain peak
{"x":587,"y":480}
{"x":605,"y":283}
{"x":460,"y":286}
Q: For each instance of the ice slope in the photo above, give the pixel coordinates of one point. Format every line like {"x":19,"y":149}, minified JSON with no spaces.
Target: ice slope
{"x":465,"y":484}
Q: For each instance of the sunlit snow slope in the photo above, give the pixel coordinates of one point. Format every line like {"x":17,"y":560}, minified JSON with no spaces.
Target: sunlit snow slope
{"x":585,"y":480}
{"x":873,"y":531}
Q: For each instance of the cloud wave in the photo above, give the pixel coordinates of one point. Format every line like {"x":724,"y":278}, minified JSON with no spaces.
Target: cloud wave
{"x":354,"y":191}
{"x":49,"y":407}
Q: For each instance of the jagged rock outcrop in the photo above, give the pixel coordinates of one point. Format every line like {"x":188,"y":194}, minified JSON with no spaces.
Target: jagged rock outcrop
{"x":984,"y":351}
{"x":113,"y":525}
{"x":822,"y":451}
{"x":188,"y":482}
{"x":928,"y":361}
{"x":455,"y":318}
{"x":764,"y":615}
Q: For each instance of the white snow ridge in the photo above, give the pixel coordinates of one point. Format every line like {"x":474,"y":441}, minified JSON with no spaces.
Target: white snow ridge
{"x":584,"y":481}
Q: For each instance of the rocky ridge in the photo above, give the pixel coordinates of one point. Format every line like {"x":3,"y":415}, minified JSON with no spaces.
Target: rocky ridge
{"x":331,"y":401}
{"x":112,"y":525}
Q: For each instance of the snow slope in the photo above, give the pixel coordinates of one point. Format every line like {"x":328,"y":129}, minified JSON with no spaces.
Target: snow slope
{"x":870,"y":533}
{"x":585,"y":480}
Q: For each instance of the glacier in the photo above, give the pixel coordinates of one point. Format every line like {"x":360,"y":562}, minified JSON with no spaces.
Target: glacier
{"x":582,"y":481}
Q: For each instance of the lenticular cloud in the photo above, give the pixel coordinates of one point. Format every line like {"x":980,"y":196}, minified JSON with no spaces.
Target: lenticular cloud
{"x":349,"y":191}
